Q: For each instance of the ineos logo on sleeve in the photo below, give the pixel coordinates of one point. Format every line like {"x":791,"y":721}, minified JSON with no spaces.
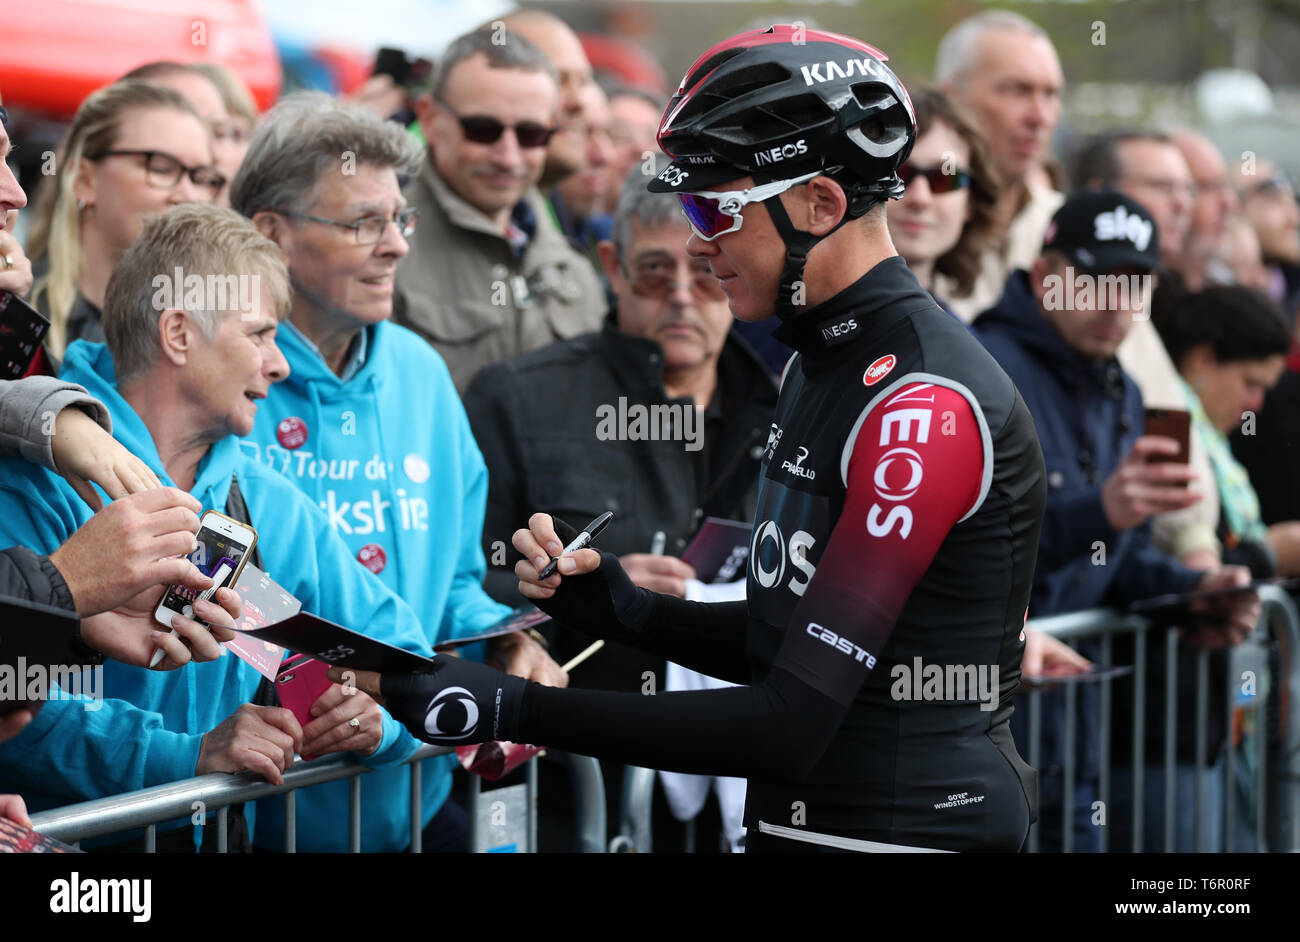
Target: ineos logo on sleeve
{"x":900,"y":424}
{"x":881,"y":477}
{"x":453,"y":714}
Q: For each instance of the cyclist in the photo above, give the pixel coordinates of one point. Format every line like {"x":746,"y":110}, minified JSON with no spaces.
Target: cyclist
{"x":901,"y":497}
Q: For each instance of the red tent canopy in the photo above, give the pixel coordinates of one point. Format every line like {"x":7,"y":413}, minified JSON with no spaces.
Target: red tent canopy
{"x":53,"y":53}
{"x":624,"y":59}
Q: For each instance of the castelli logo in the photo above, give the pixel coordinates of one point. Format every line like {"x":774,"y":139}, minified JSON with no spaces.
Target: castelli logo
{"x":879,"y":370}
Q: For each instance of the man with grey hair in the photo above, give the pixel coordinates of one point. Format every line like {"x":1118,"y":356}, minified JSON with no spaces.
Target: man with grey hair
{"x":1003,"y":69}
{"x":666,"y":349}
{"x":322,"y":180}
{"x":491,"y":276}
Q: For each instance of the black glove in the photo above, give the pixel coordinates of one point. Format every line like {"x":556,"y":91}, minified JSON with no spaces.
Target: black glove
{"x":458,"y":703}
{"x":597,"y":601}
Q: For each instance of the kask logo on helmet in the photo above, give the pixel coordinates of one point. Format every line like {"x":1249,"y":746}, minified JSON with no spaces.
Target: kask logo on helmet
{"x":867,"y":68}
{"x":777,"y":154}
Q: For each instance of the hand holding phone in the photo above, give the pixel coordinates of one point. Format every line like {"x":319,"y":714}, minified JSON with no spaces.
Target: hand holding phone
{"x":300,"y":683}
{"x":222,"y":547}
{"x":1175,"y":424}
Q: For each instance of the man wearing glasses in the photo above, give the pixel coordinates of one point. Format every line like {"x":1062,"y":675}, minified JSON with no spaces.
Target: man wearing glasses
{"x":368,"y":423}
{"x":490,"y":275}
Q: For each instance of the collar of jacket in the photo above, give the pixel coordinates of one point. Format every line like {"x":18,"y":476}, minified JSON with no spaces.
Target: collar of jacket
{"x":842,"y":326}
{"x":548,"y":244}
{"x":1018,"y":310}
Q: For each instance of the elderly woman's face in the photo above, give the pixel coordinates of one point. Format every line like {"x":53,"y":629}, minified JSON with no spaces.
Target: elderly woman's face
{"x":331,"y":271}
{"x":120,"y":190}
{"x":227,"y":375}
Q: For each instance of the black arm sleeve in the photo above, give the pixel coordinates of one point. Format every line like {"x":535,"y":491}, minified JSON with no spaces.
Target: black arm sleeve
{"x":779,"y":727}
{"x":776,"y":730}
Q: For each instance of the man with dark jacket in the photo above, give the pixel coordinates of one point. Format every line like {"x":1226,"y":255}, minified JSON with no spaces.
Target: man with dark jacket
{"x":660,"y":417}
{"x":1055,"y":332}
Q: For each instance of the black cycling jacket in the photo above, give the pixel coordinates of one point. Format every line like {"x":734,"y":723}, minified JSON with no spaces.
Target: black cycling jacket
{"x":891,"y":562}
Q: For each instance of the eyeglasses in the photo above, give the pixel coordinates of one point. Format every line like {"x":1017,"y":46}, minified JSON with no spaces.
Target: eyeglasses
{"x":484,"y":129}
{"x":656,"y":278}
{"x":715,"y":214}
{"x":940,"y":180}
{"x":370,"y":229}
{"x":163,"y":171}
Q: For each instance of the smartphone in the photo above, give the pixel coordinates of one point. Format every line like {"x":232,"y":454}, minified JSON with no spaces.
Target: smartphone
{"x":1175,"y":424}
{"x":300,"y":682}
{"x":224,"y":545}
{"x":22,"y":328}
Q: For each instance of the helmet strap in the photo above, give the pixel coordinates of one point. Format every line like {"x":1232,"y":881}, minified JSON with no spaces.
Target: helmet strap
{"x":798,"y":243}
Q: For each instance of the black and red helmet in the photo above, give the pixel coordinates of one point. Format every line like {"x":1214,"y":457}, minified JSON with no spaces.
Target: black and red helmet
{"x":783,"y":101}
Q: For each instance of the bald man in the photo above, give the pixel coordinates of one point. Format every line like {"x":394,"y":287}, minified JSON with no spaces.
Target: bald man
{"x":1003,"y":69}
{"x":1215,"y":201}
{"x":560,"y":44}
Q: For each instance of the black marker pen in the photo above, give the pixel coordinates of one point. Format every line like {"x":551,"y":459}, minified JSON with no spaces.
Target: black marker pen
{"x":586,"y":536}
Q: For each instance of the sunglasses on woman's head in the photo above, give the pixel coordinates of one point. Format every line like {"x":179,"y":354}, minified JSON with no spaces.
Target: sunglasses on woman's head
{"x":715,"y":214}
{"x":940,"y":180}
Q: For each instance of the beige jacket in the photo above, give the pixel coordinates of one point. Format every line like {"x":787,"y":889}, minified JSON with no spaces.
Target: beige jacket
{"x":465,"y":291}
{"x":1020,"y":246}
{"x":1143,"y":356}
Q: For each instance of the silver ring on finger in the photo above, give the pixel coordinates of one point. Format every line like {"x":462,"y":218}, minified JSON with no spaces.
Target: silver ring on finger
{"x":9,"y":262}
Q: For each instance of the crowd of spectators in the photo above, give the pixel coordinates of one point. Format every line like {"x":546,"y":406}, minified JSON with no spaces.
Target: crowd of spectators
{"x":443,"y":309}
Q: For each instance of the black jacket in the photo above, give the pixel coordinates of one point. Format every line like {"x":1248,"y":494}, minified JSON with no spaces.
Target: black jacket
{"x":537,"y":420}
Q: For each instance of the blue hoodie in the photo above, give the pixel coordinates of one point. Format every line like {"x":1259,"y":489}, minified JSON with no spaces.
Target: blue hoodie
{"x":148,"y":729}
{"x":389,"y":456}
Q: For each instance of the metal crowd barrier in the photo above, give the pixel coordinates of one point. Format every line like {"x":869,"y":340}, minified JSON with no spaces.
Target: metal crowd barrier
{"x":148,"y":807}
{"x":1277,"y":790}
{"x":1278,"y":787}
